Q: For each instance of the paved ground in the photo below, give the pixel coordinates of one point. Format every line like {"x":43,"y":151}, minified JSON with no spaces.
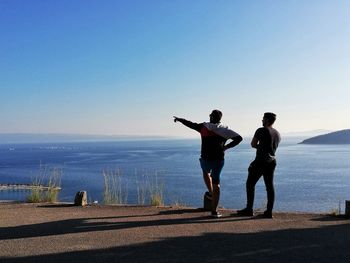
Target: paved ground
{"x":64,"y":233}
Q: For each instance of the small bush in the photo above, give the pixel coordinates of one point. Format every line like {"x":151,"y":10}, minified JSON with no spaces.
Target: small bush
{"x":41,"y":193}
{"x":157,"y":200}
{"x":149,"y":189}
{"x":156,"y":191}
{"x":35,"y":195}
{"x":54,"y":182}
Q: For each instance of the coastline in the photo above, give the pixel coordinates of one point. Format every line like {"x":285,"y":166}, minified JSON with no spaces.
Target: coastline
{"x":62,"y":232}
{"x":304,"y":187}
{"x":6,"y":187}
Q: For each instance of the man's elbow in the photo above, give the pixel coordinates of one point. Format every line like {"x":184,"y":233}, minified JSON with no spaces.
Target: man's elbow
{"x":254,"y":145}
{"x":238,"y":139}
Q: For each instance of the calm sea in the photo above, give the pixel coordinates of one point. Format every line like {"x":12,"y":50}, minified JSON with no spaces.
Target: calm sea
{"x":314,"y":178}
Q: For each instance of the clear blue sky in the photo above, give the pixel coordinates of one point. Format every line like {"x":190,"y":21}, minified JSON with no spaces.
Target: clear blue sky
{"x":126,"y":67}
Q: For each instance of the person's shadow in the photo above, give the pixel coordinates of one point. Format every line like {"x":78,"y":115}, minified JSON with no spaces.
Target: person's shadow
{"x":325,"y":244}
{"x":329,"y":243}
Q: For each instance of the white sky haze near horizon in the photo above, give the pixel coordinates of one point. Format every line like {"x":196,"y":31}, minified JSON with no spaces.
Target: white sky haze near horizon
{"x":126,"y":67}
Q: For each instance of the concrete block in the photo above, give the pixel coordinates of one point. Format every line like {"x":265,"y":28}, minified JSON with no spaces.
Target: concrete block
{"x":347,"y":208}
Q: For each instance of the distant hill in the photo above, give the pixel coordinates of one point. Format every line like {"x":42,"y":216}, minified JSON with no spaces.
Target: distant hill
{"x":306,"y":134}
{"x":338,"y":137}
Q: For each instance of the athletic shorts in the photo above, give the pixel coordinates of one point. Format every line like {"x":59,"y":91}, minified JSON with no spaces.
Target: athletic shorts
{"x":213,"y":167}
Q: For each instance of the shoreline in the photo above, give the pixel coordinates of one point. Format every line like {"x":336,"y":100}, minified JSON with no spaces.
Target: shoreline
{"x":256,"y":211}
{"x":26,"y":187}
{"x":334,"y":212}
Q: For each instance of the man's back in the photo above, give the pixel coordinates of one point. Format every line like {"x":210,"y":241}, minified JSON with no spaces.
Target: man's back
{"x":214,"y":137}
{"x":269,"y":139}
{"x":212,"y":145}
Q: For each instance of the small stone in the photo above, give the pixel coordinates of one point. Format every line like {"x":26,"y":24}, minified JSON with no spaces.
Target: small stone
{"x":80,"y":198}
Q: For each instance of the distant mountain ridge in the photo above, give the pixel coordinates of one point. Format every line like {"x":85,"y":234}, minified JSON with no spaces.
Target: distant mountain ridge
{"x":6,"y":138}
{"x":338,"y":137}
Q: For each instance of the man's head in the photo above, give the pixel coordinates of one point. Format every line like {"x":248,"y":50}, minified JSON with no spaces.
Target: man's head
{"x":269,"y":118}
{"x":215,"y":116}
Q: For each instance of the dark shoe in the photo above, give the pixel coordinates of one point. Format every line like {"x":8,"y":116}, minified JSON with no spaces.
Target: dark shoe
{"x":208,"y":195}
{"x":216,"y":214}
{"x":245,"y":212}
{"x":268,"y":214}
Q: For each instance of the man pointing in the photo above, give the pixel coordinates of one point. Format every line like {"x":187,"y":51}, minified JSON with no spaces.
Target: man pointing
{"x":214,"y":136}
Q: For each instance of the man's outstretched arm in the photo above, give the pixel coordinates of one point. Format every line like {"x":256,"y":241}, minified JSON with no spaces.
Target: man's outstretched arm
{"x":235,"y":141}
{"x":189,"y":124}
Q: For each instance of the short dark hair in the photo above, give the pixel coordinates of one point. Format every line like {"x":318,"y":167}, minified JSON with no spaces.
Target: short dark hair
{"x":216,"y":114}
{"x":271,"y":117}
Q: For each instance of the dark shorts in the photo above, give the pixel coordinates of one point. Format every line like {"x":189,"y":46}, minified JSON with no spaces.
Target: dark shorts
{"x":212,"y":167}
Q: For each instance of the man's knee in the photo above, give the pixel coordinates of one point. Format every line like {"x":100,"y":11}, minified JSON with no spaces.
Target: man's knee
{"x":216,"y":185}
{"x":205,"y":174}
{"x":270,"y":188}
{"x":269,"y":183}
{"x":250,"y":185}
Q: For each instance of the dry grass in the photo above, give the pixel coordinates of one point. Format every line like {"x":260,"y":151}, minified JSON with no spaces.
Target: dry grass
{"x":113,"y":192}
{"x":46,"y":185}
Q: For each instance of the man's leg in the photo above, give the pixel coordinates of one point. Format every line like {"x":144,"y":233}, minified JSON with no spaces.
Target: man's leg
{"x":215,"y":179}
{"x":254,"y":174}
{"x":206,"y":174}
{"x":216,"y":197}
{"x":207,"y":181}
{"x":268,"y":179}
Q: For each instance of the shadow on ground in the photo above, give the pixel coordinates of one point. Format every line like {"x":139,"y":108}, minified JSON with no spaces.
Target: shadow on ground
{"x":79,"y":225}
{"x":325,"y":244}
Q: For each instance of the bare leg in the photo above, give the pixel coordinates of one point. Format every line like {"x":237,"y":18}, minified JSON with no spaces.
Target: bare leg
{"x":216,"y":196}
{"x":207,"y":181}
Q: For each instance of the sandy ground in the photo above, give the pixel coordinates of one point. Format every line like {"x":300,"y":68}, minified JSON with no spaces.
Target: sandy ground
{"x":64,"y":233}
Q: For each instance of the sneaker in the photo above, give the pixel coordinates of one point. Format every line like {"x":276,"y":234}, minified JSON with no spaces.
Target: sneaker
{"x":208,"y":195}
{"x":216,"y":214}
{"x":268,"y":214}
{"x":245,"y":212}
